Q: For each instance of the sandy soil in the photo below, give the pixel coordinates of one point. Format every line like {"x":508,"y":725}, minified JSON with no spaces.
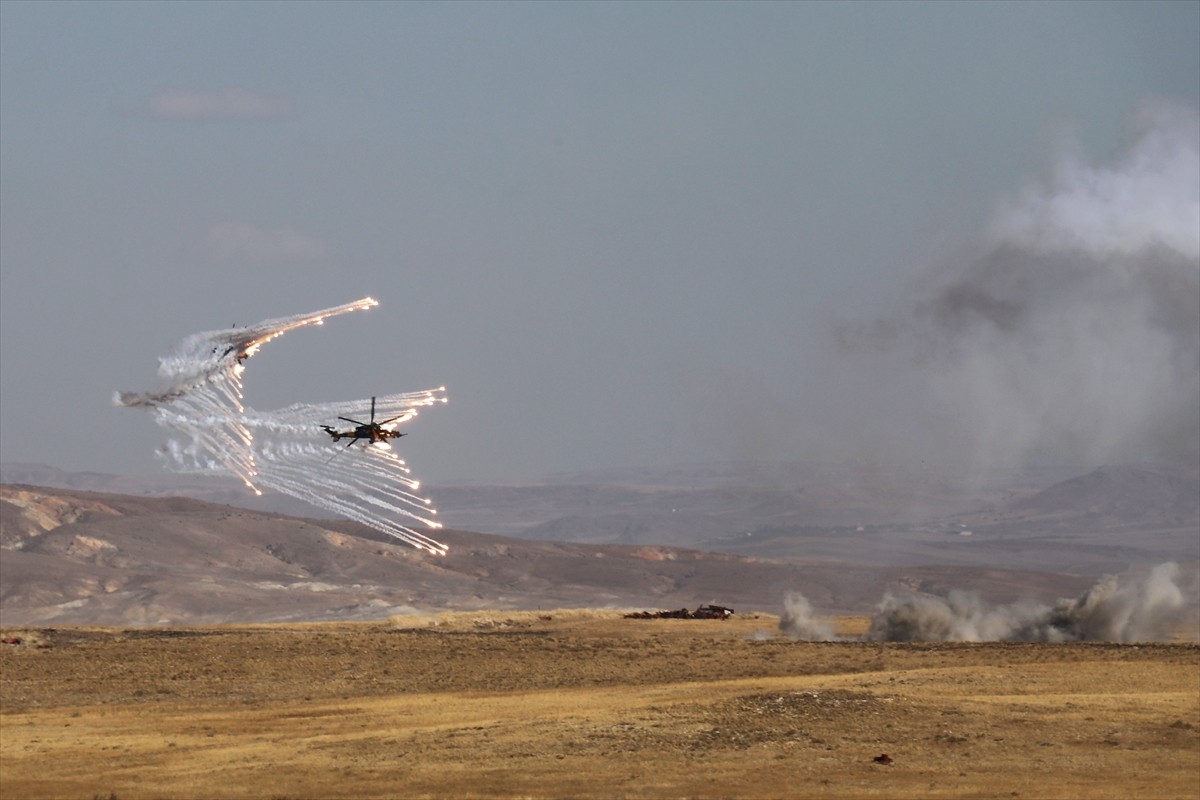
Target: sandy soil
{"x":586,"y":704}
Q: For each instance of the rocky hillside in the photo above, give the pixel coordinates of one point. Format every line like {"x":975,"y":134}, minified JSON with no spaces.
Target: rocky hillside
{"x":1121,"y":495}
{"x":86,"y":557}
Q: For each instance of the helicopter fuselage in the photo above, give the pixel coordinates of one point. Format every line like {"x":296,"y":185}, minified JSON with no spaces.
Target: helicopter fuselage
{"x":372,"y":431}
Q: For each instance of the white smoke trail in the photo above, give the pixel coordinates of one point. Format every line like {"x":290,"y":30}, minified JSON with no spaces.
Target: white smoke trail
{"x":1151,"y":609}
{"x":286,"y":450}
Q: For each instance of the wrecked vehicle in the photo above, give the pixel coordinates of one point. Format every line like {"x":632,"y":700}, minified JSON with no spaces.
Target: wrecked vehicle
{"x":701,"y":612}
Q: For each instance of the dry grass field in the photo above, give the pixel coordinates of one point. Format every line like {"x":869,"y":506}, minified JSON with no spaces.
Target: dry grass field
{"x":586,"y":704}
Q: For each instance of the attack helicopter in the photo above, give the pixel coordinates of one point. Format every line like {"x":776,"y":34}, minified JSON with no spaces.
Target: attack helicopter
{"x":373,"y":432}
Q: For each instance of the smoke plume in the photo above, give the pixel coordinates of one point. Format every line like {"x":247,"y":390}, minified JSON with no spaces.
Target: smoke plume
{"x":800,"y":622}
{"x":1153,"y":608}
{"x":1072,"y":331}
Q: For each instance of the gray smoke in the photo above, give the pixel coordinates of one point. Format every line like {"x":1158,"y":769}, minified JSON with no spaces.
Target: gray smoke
{"x":1071,"y":332}
{"x":800,"y":622}
{"x":1153,"y":608}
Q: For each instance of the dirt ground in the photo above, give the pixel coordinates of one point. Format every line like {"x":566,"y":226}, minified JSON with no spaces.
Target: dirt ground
{"x":574,"y":704}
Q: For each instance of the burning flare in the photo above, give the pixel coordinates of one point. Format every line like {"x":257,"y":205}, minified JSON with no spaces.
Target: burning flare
{"x":285,"y":450}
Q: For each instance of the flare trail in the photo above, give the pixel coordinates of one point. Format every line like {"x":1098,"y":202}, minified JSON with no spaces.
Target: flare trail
{"x":285,"y":450}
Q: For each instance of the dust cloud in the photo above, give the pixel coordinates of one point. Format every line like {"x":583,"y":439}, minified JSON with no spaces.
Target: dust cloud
{"x":1151,"y":608}
{"x":800,"y":622}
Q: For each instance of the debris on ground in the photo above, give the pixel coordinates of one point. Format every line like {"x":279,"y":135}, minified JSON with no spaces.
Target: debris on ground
{"x":701,"y":612}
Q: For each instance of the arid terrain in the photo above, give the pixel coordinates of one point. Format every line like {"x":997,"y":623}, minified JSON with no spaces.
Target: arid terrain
{"x":1051,"y":520}
{"x":72,"y":557}
{"x":83,"y":548}
{"x":567,"y":704}
{"x":158,"y":646}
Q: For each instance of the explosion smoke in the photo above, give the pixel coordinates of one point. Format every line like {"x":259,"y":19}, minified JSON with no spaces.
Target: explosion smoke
{"x":799,"y":621}
{"x":1069,"y":334}
{"x":1150,"y":609}
{"x":285,"y":450}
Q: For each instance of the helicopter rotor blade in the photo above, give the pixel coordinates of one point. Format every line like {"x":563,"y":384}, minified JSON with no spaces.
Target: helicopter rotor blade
{"x":356,"y":422}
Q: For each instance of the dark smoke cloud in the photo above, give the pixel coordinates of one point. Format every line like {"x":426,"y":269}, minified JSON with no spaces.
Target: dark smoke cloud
{"x":1071,"y":333}
{"x":1153,"y":608}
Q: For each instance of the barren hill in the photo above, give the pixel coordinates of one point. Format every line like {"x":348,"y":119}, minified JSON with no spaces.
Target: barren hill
{"x":1046,"y":519}
{"x":1122,"y":494}
{"x":87,"y":557}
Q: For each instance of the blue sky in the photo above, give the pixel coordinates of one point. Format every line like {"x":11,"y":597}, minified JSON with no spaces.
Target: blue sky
{"x":619,"y":233}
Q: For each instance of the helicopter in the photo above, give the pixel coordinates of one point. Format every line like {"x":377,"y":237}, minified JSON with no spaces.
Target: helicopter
{"x":372,"y":431}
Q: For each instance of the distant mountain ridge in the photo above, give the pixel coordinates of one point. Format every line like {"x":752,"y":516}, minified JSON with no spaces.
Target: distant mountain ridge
{"x":1103,"y":521}
{"x":99,"y":558}
{"x":229,"y":491}
{"x":735,"y":494}
{"x":1122,"y":494}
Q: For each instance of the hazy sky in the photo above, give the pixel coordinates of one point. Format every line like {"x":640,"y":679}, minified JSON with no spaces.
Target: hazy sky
{"x":619,"y":233}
